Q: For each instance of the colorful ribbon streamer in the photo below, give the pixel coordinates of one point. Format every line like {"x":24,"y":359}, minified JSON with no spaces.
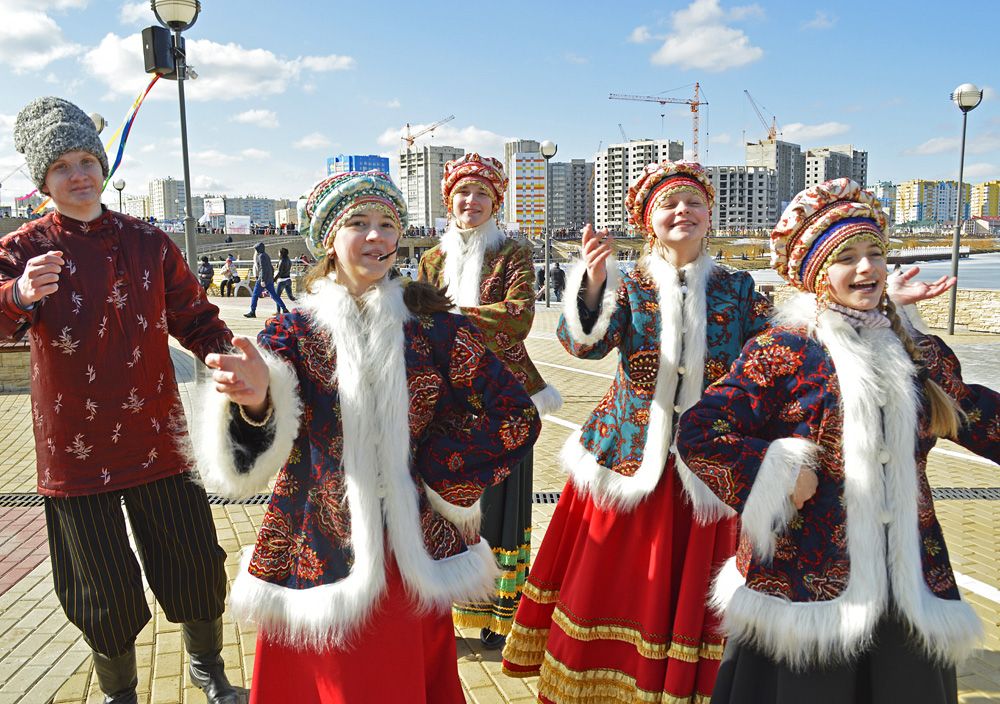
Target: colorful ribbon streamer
{"x":124,"y":129}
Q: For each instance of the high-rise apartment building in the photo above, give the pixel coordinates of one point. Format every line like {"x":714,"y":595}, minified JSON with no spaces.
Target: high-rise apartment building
{"x":618,"y":167}
{"x":166,"y":198}
{"x":788,"y":162}
{"x":420,"y":172}
{"x":841,"y":161}
{"x":137,"y":207}
{"x":570,"y":194}
{"x":919,"y":200}
{"x":260,"y":210}
{"x":746,"y":198}
{"x":885,"y":191}
{"x":524,"y":202}
{"x":356,"y":162}
{"x":986,"y":200}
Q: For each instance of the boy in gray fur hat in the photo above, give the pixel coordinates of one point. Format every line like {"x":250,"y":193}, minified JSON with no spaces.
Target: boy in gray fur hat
{"x":98,"y":293}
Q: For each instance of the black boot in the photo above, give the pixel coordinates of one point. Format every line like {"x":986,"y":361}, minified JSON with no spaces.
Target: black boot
{"x":117,"y":677}
{"x":203,"y":641}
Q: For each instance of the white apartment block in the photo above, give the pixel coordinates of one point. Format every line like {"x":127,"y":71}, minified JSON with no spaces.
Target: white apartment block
{"x":746,"y":198}
{"x":420,"y":172}
{"x":570,"y":197}
{"x":166,"y":198}
{"x":885,"y":191}
{"x":786,"y":159}
{"x":138,"y":207}
{"x":524,"y":203}
{"x":841,"y":161}
{"x":618,"y":167}
{"x":260,"y":210}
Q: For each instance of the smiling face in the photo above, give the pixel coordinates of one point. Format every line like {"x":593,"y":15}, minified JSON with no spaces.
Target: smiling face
{"x":857,"y":275}
{"x":471,"y":204}
{"x":680,"y":222}
{"x":364,"y":237}
{"x":74,"y":182}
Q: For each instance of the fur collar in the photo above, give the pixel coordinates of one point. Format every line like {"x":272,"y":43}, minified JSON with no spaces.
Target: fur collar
{"x":682,"y":343}
{"x":878,"y":391}
{"x":464,"y":252}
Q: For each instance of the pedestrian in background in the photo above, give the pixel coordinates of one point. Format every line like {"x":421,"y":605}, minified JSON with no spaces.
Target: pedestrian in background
{"x":206,"y":272}
{"x":264,"y":273}
{"x":283,"y":278}
{"x":230,"y":277}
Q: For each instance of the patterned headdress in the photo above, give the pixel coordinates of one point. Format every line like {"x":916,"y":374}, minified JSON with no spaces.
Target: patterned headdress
{"x":818,"y":224}
{"x":658,"y":182}
{"x":336,"y":198}
{"x":472,"y":167}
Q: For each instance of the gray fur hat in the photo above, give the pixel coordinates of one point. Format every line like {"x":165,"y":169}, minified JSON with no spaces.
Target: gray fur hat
{"x":49,"y":127}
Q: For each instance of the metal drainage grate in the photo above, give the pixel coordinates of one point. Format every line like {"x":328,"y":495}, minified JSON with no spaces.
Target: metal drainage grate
{"x":255,"y":500}
{"x":546,"y":497}
{"x":966,"y":494}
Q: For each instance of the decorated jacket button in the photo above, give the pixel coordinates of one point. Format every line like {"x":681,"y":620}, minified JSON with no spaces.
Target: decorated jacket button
{"x":884,"y":456}
{"x":681,"y":370}
{"x":677,"y":408}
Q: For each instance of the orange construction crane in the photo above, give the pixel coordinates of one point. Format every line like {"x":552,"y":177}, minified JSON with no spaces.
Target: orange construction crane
{"x":694,"y":103}
{"x":772,"y":131}
{"x":411,"y":138}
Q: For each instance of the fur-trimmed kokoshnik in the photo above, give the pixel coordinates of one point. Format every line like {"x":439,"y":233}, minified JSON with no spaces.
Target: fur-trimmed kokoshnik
{"x":682,"y":349}
{"x":380,"y":491}
{"x":881,"y":516}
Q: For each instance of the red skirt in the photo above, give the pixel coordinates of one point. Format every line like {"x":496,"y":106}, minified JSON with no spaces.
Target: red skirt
{"x":615,"y":608}
{"x":399,"y":655}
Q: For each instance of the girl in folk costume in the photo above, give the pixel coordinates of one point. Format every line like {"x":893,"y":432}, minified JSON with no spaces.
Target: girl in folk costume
{"x":819,"y":437}
{"x":390,"y":415}
{"x":615,"y":607}
{"x":490,"y":279}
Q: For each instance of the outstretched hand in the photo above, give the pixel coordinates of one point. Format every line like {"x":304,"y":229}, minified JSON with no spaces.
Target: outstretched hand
{"x":242,"y":376}
{"x":903,"y":290}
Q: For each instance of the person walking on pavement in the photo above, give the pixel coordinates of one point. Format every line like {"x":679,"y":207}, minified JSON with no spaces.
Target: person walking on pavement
{"x":389,"y":415}
{"x":283,"y":278}
{"x":264,"y":271}
{"x":489,"y":276}
{"x":540,"y":283}
{"x":558,"y":281}
{"x":98,"y":292}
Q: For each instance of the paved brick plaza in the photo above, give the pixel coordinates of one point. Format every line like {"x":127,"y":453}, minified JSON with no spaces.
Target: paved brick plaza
{"x":43,"y":659}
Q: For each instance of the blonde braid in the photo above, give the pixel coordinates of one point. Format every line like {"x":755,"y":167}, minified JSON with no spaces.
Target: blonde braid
{"x":945,"y":417}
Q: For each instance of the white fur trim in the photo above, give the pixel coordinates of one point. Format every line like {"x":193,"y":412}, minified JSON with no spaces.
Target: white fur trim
{"x":463,"y":260}
{"x":548,"y":400}
{"x":678,"y":311}
{"x":881,"y":505}
{"x":769,"y":506}
{"x":608,"y":303}
{"x":468,"y":519}
{"x":214,"y":447}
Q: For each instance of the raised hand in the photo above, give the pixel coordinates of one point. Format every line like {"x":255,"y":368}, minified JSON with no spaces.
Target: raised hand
{"x":242,"y":376}
{"x":596,"y":248}
{"x":40,"y":277}
{"x":903,"y":290}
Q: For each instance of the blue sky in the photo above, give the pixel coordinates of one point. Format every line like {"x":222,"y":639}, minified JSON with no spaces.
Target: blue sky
{"x":282,"y":86}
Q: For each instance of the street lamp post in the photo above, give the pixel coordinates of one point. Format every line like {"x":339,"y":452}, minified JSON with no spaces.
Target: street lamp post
{"x":119,"y":186}
{"x":177,"y":16}
{"x":967,"y":96}
{"x":548,"y":149}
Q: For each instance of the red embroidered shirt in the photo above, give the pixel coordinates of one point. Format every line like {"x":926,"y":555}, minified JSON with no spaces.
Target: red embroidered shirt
{"x":105,"y":407}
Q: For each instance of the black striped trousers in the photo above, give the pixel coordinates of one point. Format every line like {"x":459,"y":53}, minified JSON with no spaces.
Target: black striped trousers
{"x":97,"y":578}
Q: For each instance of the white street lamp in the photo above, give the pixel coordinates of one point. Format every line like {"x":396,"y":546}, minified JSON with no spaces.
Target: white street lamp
{"x":967,"y":96}
{"x":178,"y":15}
{"x":119,"y":185}
{"x":548,"y":149}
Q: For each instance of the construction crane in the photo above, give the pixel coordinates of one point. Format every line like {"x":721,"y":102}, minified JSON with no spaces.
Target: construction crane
{"x":411,"y":138}
{"x":694,"y":102}
{"x":772,"y":131}
{"x":622,"y":130}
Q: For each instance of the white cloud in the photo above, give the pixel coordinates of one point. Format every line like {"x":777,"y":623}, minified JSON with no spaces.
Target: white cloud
{"x":983,"y":143}
{"x":640,"y":35}
{"x":260,"y":118}
{"x":136,"y":12}
{"x":252,"y":153}
{"x":702,"y":40}
{"x":208,"y":183}
{"x":980,"y":172}
{"x":214,"y":157}
{"x":935,"y":145}
{"x":393,"y":104}
{"x":990,"y":93}
{"x":821,"y":20}
{"x":314,"y":140}
{"x":575,"y":58}
{"x":225,"y":71}
{"x":30,"y":40}
{"x":54,"y":4}
{"x":724,"y":138}
{"x":800,"y":133}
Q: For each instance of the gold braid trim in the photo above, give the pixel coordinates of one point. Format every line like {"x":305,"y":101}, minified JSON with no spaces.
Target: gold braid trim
{"x":525,"y":646}
{"x":601,"y":686}
{"x":540,"y":596}
{"x":653,"y":651}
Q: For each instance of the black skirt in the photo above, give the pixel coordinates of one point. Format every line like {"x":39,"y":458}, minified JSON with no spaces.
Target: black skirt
{"x":895,"y":669}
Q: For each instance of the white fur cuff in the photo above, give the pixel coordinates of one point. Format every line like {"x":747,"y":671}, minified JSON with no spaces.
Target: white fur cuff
{"x":468,"y":519}
{"x":608,"y":303}
{"x":548,"y":400}
{"x":213,"y":445}
{"x":769,"y":506}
